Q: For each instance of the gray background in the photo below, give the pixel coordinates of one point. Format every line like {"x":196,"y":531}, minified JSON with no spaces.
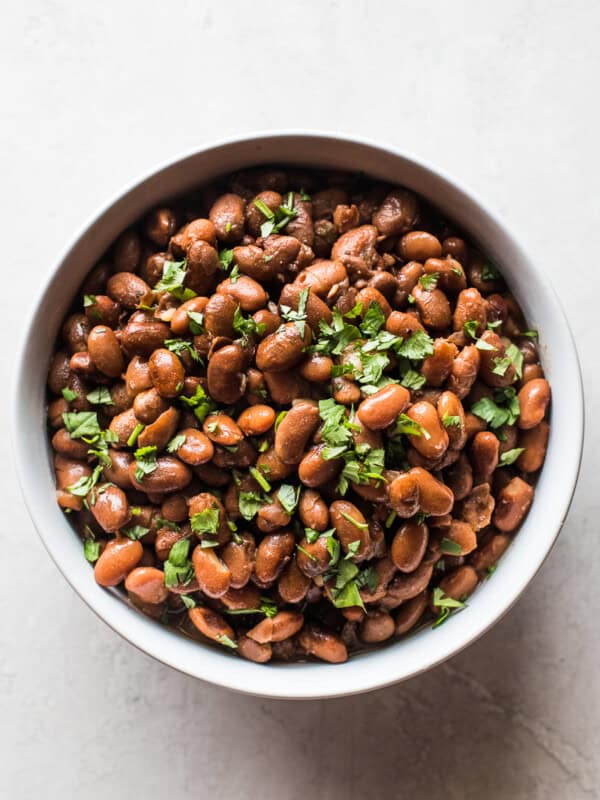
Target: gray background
{"x":502,"y":95}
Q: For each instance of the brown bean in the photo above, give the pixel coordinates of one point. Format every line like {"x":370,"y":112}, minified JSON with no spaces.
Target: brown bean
{"x":123,"y":426}
{"x":148,"y":405}
{"x":205,"y":501}
{"x":160,"y":432}
{"x":70,"y":448}
{"x":459,"y":477}
{"x":376,"y":627}
{"x":534,"y":398}
{"x":452,"y":415}
{"x":104,"y":351}
{"x":478,"y":507}
{"x":356,"y":249}
{"x":382,"y":408}
{"x":433,"y":307}
{"x":322,"y":277}
{"x":137,"y":376}
{"x":174,"y":508}
{"x":283,"y":349}
{"x":464,"y":371}
{"x":322,"y":644}
{"x":142,"y":335}
{"x":369,"y":295}
{"x":535,"y":442}
{"x":272,"y":554}
{"x":222,"y":430}
{"x":409,"y":545}
{"x":103,"y":310}
{"x":285,"y":387}
{"x":484,"y":453}
{"x":75,"y":332}
{"x":404,"y":495}
{"x":212,"y":574}
{"x":118,"y":472}
{"x":433,"y":441}
{"x":295,"y":430}
{"x":315,"y":308}
{"x":147,"y":585}
{"x":196,"y":448}
{"x":419,"y":246}
{"x":68,"y":472}
{"x":314,"y":470}
{"x":127,"y":289}
{"x":166,"y":372}
{"x":210,"y":624}
{"x":59,"y":372}
{"x":180,"y":321}
{"x":470,"y":306}
{"x":160,"y":226}
{"x":270,"y":463}
{"x":227,"y":214}
{"x":397,"y":213}
{"x":345,"y":391}
{"x":245,"y":291}
{"x":253,"y":651}
{"x":197,"y":229}
{"x":56,"y":409}
{"x":254,"y":216}
{"x":293,"y":583}
{"x":512,"y":505}
{"x":256,"y":420}
{"x":269,"y":320}
{"x":462,"y":534}
{"x":202,"y":266}
{"x":435,"y":498}
{"x":117,"y":560}
{"x":218,"y":315}
{"x":406,"y":586}
{"x":410,"y":613}
{"x":313,"y":511}
{"x":271,"y":517}
{"x":170,"y":475}
{"x":244,"y":598}
{"x":110,"y":508}
{"x":316,"y":368}
{"x":165,"y":539}
{"x":402,"y":324}
{"x":301,"y":226}
{"x":278,"y":628}
{"x":239,"y":558}
{"x":225,"y":374}
{"x":351,"y":527}
{"x":460,"y":583}
{"x":313,"y":558}
{"x":489,"y":553}
{"x":437,"y":367}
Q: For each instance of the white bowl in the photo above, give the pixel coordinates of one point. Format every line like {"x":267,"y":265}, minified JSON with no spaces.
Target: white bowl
{"x":401,"y":659}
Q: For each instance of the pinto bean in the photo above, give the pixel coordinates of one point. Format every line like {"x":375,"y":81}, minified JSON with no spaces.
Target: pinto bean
{"x":222,"y":430}
{"x":419,"y":246}
{"x":459,"y":477}
{"x":512,"y":505}
{"x":174,"y":508}
{"x":437,"y":367}
{"x":404,"y":587}
{"x":218,"y":315}
{"x":295,"y":430}
{"x":356,"y":250}
{"x":160,"y":432}
{"x":212,"y":574}
{"x":409,"y":545}
{"x":225,"y":374}
{"x":488,"y":554}
{"x":196,"y":448}
{"x":148,"y":405}
{"x":272,"y":554}
{"x":147,"y":585}
{"x":435,"y":498}
{"x":75,"y":332}
{"x":463,"y":535}
{"x":470,"y":306}
{"x":170,"y":475}
{"x":117,"y":560}
{"x":123,"y":426}
{"x":118,"y":472}
{"x":137,"y":376}
{"x":104,"y":351}
{"x":484,"y":452}
{"x":351,"y":527}
{"x":239,"y":558}
{"x":56,"y":409}
{"x":452,"y":415}
{"x":142,"y":335}
{"x":314,"y":470}
{"x":210,"y":624}
{"x":284,"y":387}
{"x":268,"y":319}
{"x":402,"y":324}
{"x":460,"y":583}
{"x":70,"y":448}
{"x":68,"y":472}
{"x":433,"y":307}
{"x":315,"y":308}
{"x":270,"y":463}
{"x":278,"y":628}
{"x":404,"y":495}
{"x":410,"y":613}
{"x":301,"y":226}
{"x":382,"y":408}
{"x":313,"y":558}
{"x":322,"y":644}
{"x":464,"y":371}
{"x":433,"y":442}
{"x":253,"y":651}
{"x":247,"y":597}
{"x":160,"y":226}
{"x":397,"y":213}
{"x":127,"y":289}
{"x":534,"y":398}
{"x":313,"y":510}
{"x":256,"y":420}
{"x":370,"y":295}
{"x":490,"y":359}
{"x":293,"y":584}
{"x":535,"y":442}
{"x":322,"y":277}
{"x":477,"y":508}
{"x":376,"y":627}
{"x":254,"y":216}
{"x":227,"y":214}
{"x":180,"y":321}
{"x":110,"y":508}
{"x":103,"y":310}
{"x":245,"y":291}
{"x":283,"y":349}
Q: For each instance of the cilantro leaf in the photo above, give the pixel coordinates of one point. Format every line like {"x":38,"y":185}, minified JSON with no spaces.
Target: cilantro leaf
{"x":373,"y":321}
{"x":173,"y":277}
{"x":69,"y":394}
{"x":249,"y":504}
{"x":82,"y":424}
{"x":429,"y":282}
{"x":418,"y":346}
{"x":175,"y":443}
{"x":178,"y":569}
{"x":91,"y":551}
{"x":180,"y":346}
{"x":145,"y":462}
{"x":510,"y":456}
{"x":100,"y":397}
{"x":288,"y":497}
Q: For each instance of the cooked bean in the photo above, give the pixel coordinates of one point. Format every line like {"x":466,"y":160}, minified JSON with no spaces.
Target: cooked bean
{"x":222,"y":430}
{"x":433,"y":307}
{"x":110,"y":508}
{"x":104,"y":351}
{"x":376,"y":627}
{"x":410,"y":613}
{"x":314,"y":470}
{"x":419,"y":246}
{"x":117,"y":560}
{"x":470,"y":307}
{"x":180,"y":321}
{"x":460,"y":583}
{"x":512,"y":505}
{"x":315,"y":308}
{"x":147,"y":585}
{"x":322,"y":277}
{"x":432,"y":440}
{"x":196,"y":447}
{"x":256,"y":420}
{"x":488,"y":554}
{"x":253,"y":651}
{"x":212,"y":574}
{"x":166,"y":372}
{"x":170,"y":475}
{"x":478,"y":507}
{"x":409,"y":545}
{"x":351,"y":527}
{"x":322,"y":644}
{"x":484,"y":453}
{"x":293,"y":584}
{"x":404,"y":587}
{"x":226,"y":378}
{"x":127,"y":289}
{"x":272,"y":554}
{"x":435,"y":498}
{"x":404,"y":495}
{"x":534,"y":398}
{"x":247,"y":292}
{"x":283,"y":349}
{"x":382,"y":408}
{"x":277,"y":628}
{"x":464,"y":371}
{"x":294,"y":431}
{"x":313,"y":558}
{"x":313,"y":510}
{"x":284,"y":387}
{"x":228,"y":216}
{"x":535,"y":442}
{"x":397,"y":213}
{"x":211,"y":624}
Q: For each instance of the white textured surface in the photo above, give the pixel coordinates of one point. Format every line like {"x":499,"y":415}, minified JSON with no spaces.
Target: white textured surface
{"x":503,"y":99}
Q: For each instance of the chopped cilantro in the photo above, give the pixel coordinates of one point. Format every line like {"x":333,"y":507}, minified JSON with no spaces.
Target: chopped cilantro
{"x":510,"y":456}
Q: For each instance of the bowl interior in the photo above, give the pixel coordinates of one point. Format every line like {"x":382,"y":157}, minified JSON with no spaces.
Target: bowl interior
{"x":401,"y":659}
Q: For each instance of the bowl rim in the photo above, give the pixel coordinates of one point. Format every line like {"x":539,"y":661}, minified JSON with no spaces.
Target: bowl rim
{"x":249,"y":678}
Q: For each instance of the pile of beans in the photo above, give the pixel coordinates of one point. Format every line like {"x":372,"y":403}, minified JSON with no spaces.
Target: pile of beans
{"x":296,"y":414}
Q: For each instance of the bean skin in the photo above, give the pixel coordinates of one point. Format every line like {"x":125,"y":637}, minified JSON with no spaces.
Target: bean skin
{"x":225,"y":374}
{"x":282,"y":350}
{"x":314,"y":470}
{"x":117,"y":560}
{"x":210,"y":624}
{"x":222,"y":430}
{"x":433,"y":306}
{"x":293,"y":584}
{"x":170,"y":475}
{"x":313,"y":510}
{"x":484,"y":453}
{"x":460,"y":583}
{"x":272,"y":555}
{"x":419,"y":246}
{"x":410,"y":613}
{"x":253,"y":651}
{"x":196,"y":449}
{"x":404,"y":495}
{"x":376,"y":627}
{"x":382,"y":408}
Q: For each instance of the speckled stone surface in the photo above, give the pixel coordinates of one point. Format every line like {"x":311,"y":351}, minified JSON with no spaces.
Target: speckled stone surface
{"x":501,"y":95}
